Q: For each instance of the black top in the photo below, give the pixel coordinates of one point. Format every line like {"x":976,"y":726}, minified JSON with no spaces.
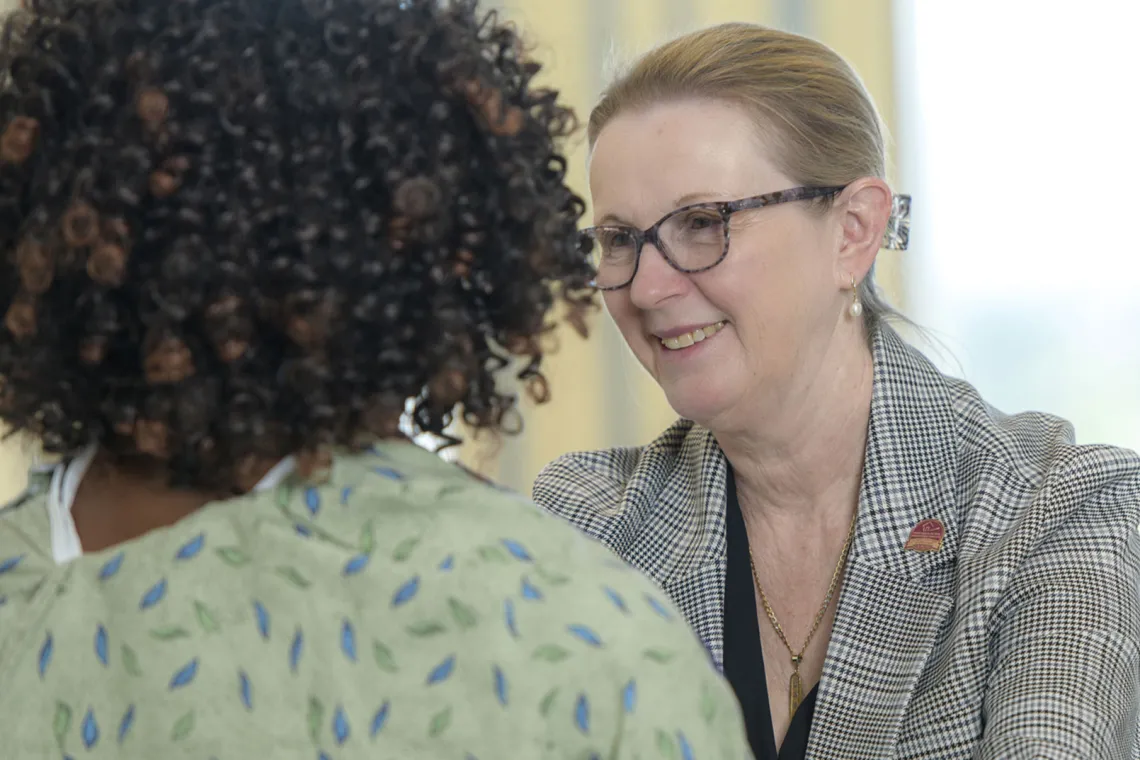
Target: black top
{"x":743,"y":657}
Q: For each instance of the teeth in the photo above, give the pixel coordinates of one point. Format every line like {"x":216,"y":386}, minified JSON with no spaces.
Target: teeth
{"x":696,"y":336}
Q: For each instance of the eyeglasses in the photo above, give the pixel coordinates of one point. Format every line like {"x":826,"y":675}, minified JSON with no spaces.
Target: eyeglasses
{"x":692,"y":238}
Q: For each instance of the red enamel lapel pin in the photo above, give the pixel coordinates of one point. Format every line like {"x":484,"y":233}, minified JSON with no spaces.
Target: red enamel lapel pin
{"x":926,"y":537}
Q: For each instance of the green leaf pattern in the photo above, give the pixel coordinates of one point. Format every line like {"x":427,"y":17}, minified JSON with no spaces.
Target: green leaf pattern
{"x":183,"y":727}
{"x":62,"y":723}
{"x":433,"y":621}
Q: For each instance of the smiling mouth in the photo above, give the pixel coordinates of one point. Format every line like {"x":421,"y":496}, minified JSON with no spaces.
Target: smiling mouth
{"x":677,"y":342}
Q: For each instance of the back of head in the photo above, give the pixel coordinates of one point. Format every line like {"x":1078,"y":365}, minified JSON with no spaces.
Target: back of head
{"x":807,"y":102}
{"x":237,"y":229}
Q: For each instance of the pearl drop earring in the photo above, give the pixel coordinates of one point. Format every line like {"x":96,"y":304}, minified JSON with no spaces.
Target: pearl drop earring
{"x":856,"y":308}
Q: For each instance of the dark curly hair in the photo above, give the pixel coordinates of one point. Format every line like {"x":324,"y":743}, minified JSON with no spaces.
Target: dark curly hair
{"x":235,"y":230}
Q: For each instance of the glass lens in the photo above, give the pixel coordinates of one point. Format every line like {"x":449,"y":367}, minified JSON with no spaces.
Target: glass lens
{"x":694,"y":237}
{"x":613,"y":253}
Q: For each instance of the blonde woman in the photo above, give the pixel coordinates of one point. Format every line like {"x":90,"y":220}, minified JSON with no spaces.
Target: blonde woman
{"x":882,"y":564}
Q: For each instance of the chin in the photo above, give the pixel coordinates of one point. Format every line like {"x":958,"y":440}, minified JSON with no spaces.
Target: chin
{"x":698,"y":401}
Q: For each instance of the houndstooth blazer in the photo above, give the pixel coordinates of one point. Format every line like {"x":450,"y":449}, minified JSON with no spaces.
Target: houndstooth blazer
{"x":1019,"y":638}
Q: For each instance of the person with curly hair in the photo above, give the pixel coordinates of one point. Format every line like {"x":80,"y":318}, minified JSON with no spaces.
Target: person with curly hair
{"x":239,"y":240}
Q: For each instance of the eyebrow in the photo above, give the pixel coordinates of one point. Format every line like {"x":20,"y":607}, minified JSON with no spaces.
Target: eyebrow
{"x":614,"y":219}
{"x":703,"y":196}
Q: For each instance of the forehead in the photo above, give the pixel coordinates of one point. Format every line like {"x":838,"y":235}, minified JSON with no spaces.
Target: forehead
{"x":645,"y":161}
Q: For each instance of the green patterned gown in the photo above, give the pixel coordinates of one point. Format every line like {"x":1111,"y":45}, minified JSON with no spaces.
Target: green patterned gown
{"x":403,"y":610}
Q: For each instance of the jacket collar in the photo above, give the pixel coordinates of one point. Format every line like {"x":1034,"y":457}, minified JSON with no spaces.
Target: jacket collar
{"x":890,"y":615}
{"x":675,"y":490}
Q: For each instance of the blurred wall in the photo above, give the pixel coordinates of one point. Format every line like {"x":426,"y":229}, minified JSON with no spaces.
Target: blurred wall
{"x":600,"y":396}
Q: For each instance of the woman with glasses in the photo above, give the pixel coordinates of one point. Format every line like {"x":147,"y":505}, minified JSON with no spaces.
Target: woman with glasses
{"x":882,"y":564}
{"x":238,"y":237}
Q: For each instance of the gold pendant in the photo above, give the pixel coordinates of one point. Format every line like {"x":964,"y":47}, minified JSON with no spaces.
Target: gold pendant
{"x":795,"y":693}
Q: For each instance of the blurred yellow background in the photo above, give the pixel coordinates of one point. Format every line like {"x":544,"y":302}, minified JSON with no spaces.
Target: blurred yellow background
{"x":600,"y":396}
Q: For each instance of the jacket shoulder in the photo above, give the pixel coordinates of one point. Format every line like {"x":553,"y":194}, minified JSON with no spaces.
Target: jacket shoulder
{"x":588,"y":488}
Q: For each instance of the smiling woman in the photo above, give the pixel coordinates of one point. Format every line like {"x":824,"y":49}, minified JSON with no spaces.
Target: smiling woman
{"x":882,"y":564}
{"x":747,"y":203}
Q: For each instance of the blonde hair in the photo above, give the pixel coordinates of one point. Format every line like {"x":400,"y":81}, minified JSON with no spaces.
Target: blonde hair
{"x":805,"y":99}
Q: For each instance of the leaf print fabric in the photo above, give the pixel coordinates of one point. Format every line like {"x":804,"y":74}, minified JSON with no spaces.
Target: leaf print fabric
{"x":402,"y":610}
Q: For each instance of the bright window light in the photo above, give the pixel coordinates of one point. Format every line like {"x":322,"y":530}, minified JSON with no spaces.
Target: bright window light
{"x":1019,"y":137}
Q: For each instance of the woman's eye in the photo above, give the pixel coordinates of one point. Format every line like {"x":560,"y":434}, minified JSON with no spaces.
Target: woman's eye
{"x":619,"y":240}
{"x":700,"y":221}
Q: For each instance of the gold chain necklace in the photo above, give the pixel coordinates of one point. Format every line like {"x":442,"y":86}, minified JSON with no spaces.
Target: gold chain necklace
{"x":795,"y":684}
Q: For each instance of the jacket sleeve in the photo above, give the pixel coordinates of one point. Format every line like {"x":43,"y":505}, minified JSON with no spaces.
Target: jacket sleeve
{"x":1066,"y":644}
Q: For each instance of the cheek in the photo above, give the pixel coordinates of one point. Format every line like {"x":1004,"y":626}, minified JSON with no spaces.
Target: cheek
{"x":621,"y":309}
{"x":764,"y":288}
{"x":738,"y":291}
{"x":627,"y":318}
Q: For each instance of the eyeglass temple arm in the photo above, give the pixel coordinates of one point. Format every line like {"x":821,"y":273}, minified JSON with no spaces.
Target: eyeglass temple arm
{"x":897,"y":235}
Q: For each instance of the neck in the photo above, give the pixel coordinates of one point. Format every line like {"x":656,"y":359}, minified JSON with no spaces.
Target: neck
{"x":115,"y":504}
{"x":804,"y":453}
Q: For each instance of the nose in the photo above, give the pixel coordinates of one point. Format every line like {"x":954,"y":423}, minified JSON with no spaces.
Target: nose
{"x":655,"y":281}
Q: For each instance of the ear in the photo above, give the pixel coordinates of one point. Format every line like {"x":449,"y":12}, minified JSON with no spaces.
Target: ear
{"x":864,"y":209}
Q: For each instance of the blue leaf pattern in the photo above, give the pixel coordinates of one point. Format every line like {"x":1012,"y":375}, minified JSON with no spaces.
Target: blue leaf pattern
{"x":658,"y":607}
{"x":442,"y":671}
{"x":686,"y":750}
{"x":154,"y":596}
{"x":582,"y":714}
{"x":185,"y":675}
{"x":101,"y":645}
{"x":629,"y":696}
{"x":422,"y":640}
{"x":387,"y":472}
{"x":585,"y":634}
{"x":246,"y":690}
{"x":312,"y":501}
{"x":192,"y":549}
{"x":530,"y":592}
{"x":509,"y":614}
{"x":379,"y":719}
{"x":126,"y":723}
{"x":517,"y":551}
{"x":262,"y":616}
{"x":618,"y":602}
{"x":356,"y":564}
{"x":45,"y":655}
{"x":340,"y":726}
{"x":295,"y":650}
{"x":112,"y":567}
{"x":500,"y":686}
{"x":348,"y":640}
{"x":405,"y":593}
{"x":90,"y":729}
{"x":10,"y":564}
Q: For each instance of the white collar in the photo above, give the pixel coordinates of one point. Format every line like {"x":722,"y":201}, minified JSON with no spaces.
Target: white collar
{"x":65,"y":480}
